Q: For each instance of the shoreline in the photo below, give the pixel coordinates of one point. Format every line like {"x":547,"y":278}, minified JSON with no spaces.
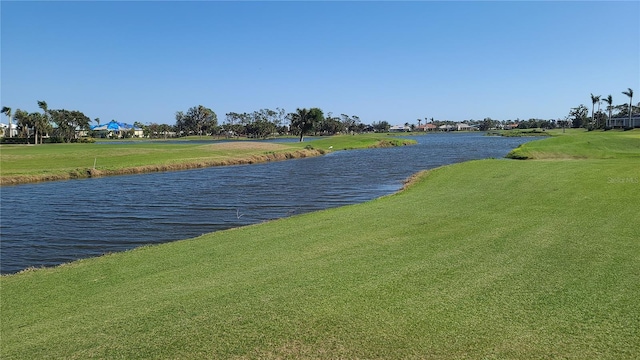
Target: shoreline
{"x":88,"y":173}
{"x":260,"y":156}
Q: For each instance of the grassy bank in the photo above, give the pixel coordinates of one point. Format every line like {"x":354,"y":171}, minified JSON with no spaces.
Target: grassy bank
{"x":485,"y":259}
{"x":519,"y":132}
{"x":21,"y":164}
{"x":583,"y":145}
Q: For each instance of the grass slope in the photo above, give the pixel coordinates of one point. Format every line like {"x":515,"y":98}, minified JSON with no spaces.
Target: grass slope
{"x":485,"y":259}
{"x":583,"y":145}
{"x":20,"y":163}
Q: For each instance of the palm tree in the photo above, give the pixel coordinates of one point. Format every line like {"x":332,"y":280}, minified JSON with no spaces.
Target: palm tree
{"x":7,"y":111}
{"x":629,"y":93}
{"x":41,"y":125}
{"x":594,"y":100}
{"x":41,"y":122}
{"x":609,"y":100}
{"x":301,"y":120}
{"x":419,"y":121}
{"x":43,"y":105}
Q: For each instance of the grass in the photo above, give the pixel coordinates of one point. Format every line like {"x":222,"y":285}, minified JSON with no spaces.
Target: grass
{"x":583,"y":145}
{"x":20,"y":163}
{"x":520,"y":132}
{"x":489,"y":259}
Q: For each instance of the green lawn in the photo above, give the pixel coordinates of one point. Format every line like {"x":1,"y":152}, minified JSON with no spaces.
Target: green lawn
{"x":491,"y":259}
{"x":20,"y":163}
{"x":584,"y":145}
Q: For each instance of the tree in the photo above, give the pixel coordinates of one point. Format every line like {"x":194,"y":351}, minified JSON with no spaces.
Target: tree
{"x":609,"y":100}
{"x":303,"y":120}
{"x":235,"y":124}
{"x":419,"y":121}
{"x":41,"y":123}
{"x":7,"y":111}
{"x":347,"y":122}
{"x":280,"y":117}
{"x":600,"y":120}
{"x":68,"y":123}
{"x":594,"y":100}
{"x":180,"y":123}
{"x":564,"y":122}
{"x":381,"y":126}
{"x":578,"y":116}
{"x":487,"y":124}
{"x":22,"y":122}
{"x":43,"y":105}
{"x":357,"y":125}
{"x":629,"y":93}
{"x":197,"y":120}
{"x":330,"y":125}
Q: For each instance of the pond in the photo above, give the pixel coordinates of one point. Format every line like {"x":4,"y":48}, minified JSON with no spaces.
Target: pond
{"x":47,"y":224}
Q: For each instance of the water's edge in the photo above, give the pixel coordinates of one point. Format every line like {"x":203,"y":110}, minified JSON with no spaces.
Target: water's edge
{"x":47,"y":224}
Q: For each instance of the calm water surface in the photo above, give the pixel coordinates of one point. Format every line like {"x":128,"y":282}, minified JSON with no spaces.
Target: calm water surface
{"x":51,"y":223}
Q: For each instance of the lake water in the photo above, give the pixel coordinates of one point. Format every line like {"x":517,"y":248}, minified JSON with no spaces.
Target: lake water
{"x":47,"y":224}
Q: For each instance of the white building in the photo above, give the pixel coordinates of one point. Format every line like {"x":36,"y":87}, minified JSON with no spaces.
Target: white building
{"x":399,"y":128}
{"x":623,"y":121}
{"x":5,"y":130}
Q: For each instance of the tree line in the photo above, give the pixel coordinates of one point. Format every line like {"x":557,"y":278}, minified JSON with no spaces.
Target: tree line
{"x":578,"y":117}
{"x":61,"y":125}
{"x":263,"y":123}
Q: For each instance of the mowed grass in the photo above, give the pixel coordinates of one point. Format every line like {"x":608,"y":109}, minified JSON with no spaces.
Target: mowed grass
{"x":583,"y":145}
{"x":486,"y":259}
{"x":20,"y":163}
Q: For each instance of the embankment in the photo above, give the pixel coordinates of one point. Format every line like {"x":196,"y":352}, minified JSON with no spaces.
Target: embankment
{"x":176,"y":166}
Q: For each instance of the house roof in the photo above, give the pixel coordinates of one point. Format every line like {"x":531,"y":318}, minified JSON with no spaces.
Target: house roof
{"x":114,"y":126}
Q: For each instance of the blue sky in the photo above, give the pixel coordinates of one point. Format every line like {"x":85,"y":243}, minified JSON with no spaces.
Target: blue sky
{"x":392,"y":61}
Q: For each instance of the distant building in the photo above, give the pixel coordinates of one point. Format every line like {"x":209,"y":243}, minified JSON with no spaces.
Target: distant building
{"x":399,"y":128}
{"x":426,"y":127}
{"x":116,"y":129}
{"x":623,"y":121}
{"x":5,"y":130}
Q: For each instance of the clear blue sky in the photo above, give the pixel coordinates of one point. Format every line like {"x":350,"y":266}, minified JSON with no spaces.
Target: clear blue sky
{"x":393,"y":61}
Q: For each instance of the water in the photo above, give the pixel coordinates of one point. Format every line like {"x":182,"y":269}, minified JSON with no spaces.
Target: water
{"x":47,"y":224}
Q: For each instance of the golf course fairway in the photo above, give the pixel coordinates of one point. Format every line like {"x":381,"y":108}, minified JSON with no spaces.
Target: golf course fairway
{"x":489,"y":259}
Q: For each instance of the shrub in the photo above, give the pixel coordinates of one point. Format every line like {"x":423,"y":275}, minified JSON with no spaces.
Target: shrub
{"x":15,"y":140}
{"x":56,"y":140}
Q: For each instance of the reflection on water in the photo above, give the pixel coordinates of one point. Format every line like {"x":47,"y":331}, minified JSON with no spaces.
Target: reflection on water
{"x":51,"y":223}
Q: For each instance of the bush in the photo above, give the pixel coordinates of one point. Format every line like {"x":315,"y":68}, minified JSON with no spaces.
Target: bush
{"x":15,"y":140}
{"x":56,"y":140}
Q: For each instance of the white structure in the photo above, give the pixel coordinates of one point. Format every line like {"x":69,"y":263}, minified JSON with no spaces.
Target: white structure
{"x":446,"y":127}
{"x":116,"y":129}
{"x":399,"y":128}
{"x":5,"y":130}
{"x":623,"y":121}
